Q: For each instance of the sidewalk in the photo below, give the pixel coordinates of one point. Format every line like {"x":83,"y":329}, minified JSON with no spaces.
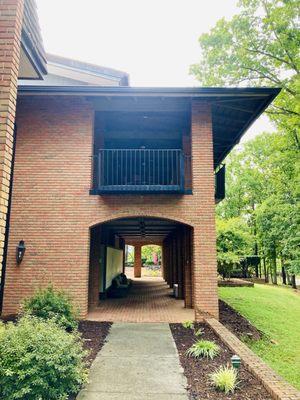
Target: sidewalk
{"x":139,"y":362}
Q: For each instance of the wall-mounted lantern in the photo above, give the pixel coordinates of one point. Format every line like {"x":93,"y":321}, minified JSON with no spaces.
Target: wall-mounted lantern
{"x":20,"y":251}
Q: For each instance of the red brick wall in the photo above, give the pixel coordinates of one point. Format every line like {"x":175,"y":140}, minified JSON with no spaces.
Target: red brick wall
{"x":53,"y":211}
{"x":204,"y":235}
{"x":11,"y":14}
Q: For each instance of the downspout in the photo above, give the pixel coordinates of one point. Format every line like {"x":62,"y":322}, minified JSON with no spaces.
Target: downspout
{"x":4,"y":260}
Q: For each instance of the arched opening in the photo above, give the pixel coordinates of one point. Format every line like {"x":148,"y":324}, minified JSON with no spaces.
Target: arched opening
{"x":150,"y":263}
{"x":160,"y":284}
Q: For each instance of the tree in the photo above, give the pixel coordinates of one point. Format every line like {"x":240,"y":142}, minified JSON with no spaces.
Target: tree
{"x":233,"y":244}
{"x":148,"y":252}
{"x":259,"y":46}
{"x":263,"y":189}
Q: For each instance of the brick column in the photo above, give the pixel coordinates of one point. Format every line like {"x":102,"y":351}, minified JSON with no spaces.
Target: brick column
{"x":188,"y":285}
{"x":204,"y":236}
{"x":137,"y":261}
{"x":11,"y":16}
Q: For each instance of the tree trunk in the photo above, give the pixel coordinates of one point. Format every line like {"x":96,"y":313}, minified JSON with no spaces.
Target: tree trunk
{"x":255,"y":244}
{"x":266,"y":271}
{"x":274,"y":267}
{"x":283,"y":275}
{"x":294,"y":286}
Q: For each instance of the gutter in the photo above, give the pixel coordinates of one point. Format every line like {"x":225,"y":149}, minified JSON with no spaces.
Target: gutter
{"x":148,"y":91}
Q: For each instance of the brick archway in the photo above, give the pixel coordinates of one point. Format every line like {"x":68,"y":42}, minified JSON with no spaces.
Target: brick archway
{"x":122,"y":215}
{"x":175,"y":237}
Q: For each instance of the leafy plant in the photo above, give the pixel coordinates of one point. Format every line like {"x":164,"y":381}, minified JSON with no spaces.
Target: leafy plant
{"x":203,"y":348}
{"x":199,"y":332}
{"x":224,"y":379}
{"x":2,"y":329}
{"x":188,"y":324}
{"x":40,"y":360}
{"x":52,"y":304}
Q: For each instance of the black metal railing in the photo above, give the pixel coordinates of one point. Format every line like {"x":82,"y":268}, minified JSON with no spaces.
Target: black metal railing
{"x":139,"y":170}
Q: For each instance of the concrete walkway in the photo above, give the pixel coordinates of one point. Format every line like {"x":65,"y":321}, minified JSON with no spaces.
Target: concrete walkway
{"x":138,"y":362}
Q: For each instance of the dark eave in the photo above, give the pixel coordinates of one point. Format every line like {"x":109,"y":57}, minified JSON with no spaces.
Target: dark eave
{"x":193,"y":92}
{"x":233,"y":109}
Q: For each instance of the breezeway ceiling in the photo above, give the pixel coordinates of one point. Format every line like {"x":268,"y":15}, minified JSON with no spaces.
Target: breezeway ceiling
{"x":233,"y":109}
{"x":142,"y":229}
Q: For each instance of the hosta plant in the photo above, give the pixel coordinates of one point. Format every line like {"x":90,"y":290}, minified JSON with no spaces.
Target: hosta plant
{"x":199,"y":332}
{"x":203,"y":348}
{"x":188,"y":324}
{"x":224,"y":379}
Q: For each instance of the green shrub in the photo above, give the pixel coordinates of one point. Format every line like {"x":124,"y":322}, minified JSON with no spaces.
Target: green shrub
{"x":224,"y":379}
{"x":40,"y":361}
{"x":199,"y":332}
{"x":188,"y":324}
{"x":203,"y":348}
{"x":52,"y":304}
{"x":2,"y":329}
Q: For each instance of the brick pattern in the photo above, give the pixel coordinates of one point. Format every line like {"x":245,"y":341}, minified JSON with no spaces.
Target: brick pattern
{"x":53,"y":212}
{"x":177,"y":261}
{"x":148,"y":301}
{"x":274,"y":384}
{"x":11,"y":15}
{"x":204,"y":241}
{"x":137,"y":260}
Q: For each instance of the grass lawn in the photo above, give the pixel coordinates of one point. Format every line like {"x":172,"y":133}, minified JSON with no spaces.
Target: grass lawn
{"x":276,"y":312}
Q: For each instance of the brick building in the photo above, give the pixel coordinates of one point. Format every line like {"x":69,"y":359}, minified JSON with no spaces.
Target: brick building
{"x":98,"y":167}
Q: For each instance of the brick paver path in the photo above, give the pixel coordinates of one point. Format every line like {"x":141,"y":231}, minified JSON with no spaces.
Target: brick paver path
{"x":138,"y":362}
{"x":150,"y":300}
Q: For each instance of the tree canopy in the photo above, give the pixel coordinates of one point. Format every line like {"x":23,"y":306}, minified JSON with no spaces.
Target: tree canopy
{"x":260,"y":47}
{"x":257,"y":47}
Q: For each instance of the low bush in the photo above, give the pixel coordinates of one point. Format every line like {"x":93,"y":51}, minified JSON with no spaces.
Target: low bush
{"x":199,"y":332}
{"x":52,"y":304}
{"x":2,"y":328}
{"x":203,"y":348}
{"x":40,"y":361}
{"x":225,"y":379}
{"x":188,"y":324}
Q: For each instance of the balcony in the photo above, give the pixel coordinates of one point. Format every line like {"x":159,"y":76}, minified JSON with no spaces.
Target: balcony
{"x":139,"y":171}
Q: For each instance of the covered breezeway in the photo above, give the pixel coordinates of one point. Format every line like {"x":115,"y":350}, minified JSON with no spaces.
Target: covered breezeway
{"x":150,"y":298}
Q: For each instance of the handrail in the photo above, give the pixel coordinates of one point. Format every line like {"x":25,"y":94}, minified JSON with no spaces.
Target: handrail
{"x":133,"y":168}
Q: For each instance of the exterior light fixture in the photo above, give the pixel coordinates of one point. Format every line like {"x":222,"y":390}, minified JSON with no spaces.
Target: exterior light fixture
{"x":235,"y":361}
{"x":20,"y":251}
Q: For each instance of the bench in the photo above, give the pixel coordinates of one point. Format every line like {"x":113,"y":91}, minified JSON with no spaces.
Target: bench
{"x":120,"y":286}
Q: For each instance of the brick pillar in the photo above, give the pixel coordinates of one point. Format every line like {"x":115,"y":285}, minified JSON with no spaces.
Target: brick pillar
{"x":188,"y":289}
{"x":11,"y":16}
{"x":204,"y":235}
{"x":137,"y":261}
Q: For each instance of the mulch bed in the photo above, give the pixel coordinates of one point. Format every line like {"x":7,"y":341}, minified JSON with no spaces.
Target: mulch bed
{"x":197,"y":370}
{"x":94,"y":336}
{"x":237,"y":324}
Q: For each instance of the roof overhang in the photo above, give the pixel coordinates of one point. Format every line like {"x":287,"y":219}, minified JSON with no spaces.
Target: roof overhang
{"x":233,"y":109}
{"x":33,"y":64}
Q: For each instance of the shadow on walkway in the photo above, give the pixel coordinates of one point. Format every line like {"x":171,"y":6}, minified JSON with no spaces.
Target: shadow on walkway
{"x":150,"y":300}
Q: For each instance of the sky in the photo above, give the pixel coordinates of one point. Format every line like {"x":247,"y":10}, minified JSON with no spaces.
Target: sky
{"x":155,"y":41}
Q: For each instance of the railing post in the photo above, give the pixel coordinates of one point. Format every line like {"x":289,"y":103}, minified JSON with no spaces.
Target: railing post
{"x":99,"y":169}
{"x":181,"y":171}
